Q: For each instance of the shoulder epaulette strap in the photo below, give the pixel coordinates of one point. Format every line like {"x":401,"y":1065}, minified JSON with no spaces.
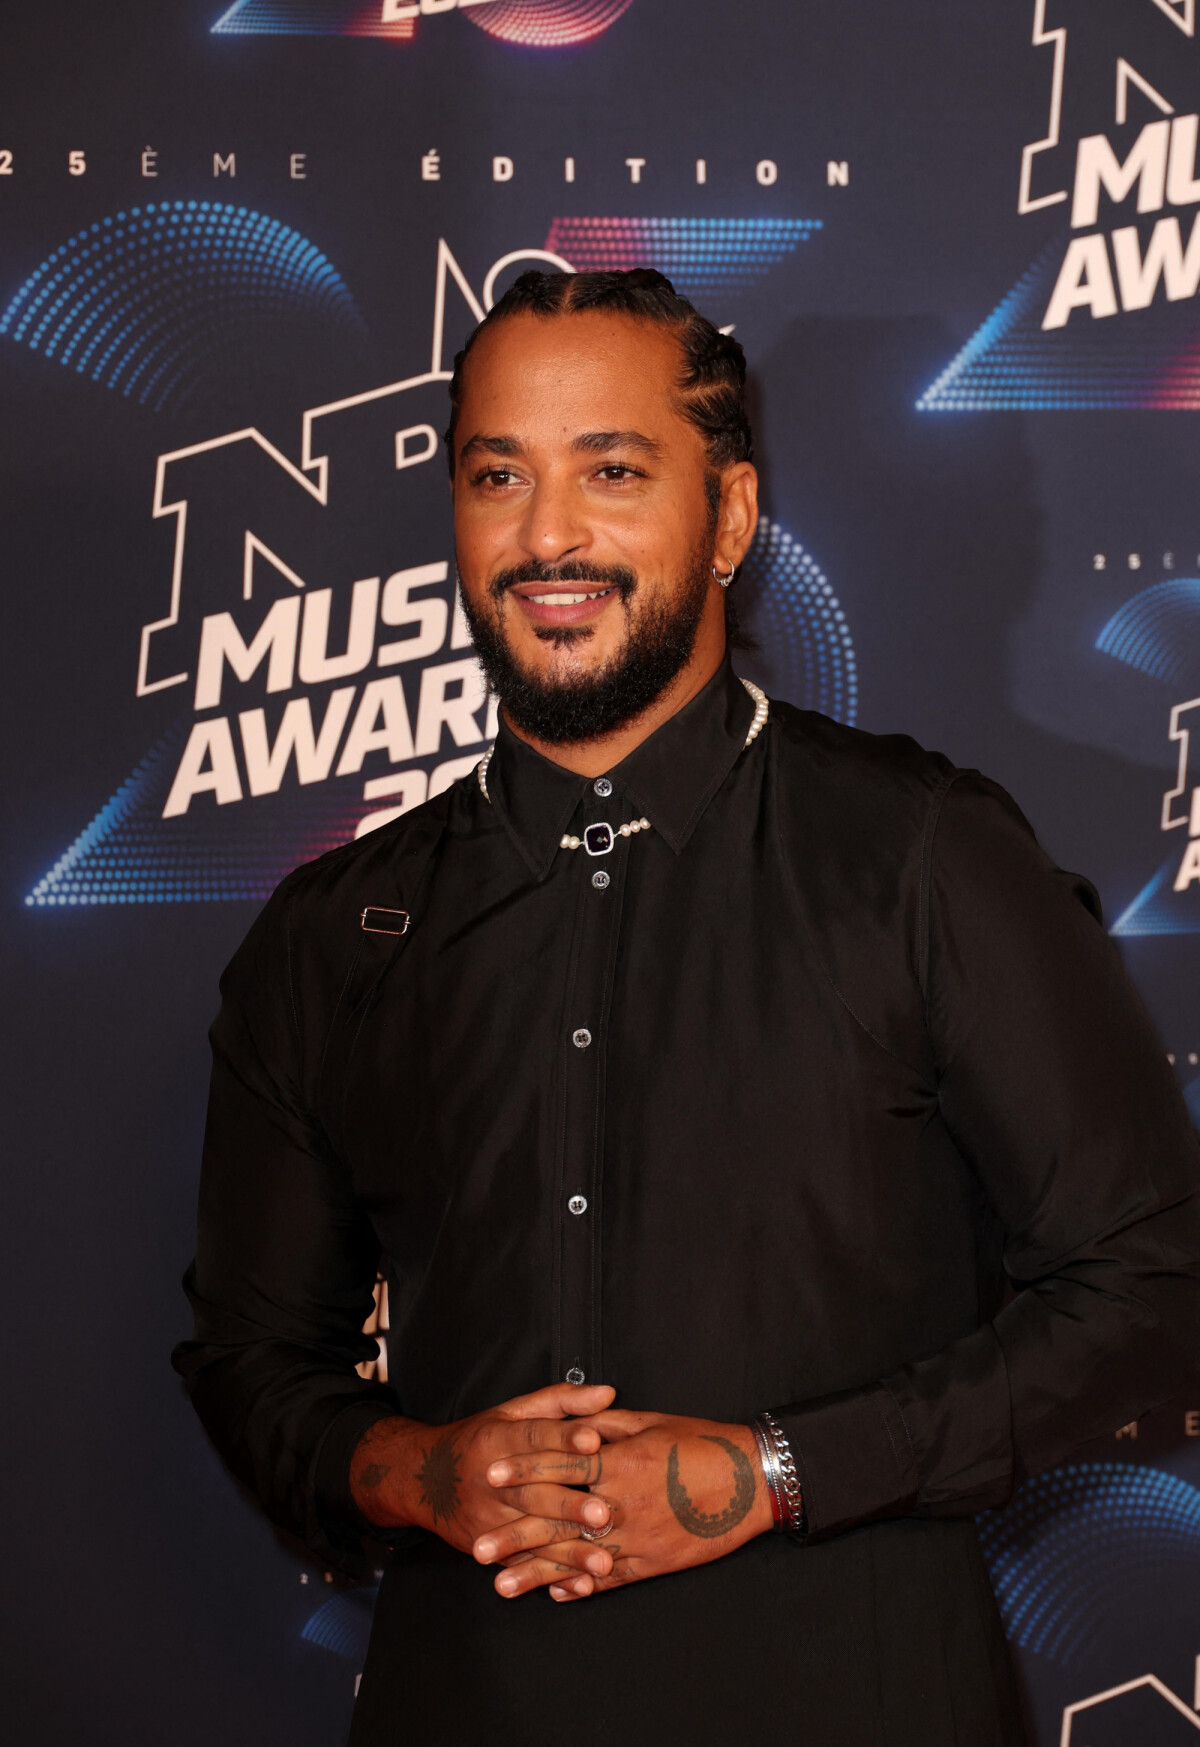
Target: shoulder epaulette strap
{"x":404,"y":885}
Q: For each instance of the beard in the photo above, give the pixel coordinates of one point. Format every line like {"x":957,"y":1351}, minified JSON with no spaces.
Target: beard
{"x":658,"y":644}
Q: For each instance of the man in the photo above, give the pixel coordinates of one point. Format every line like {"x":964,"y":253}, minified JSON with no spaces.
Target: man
{"x":761,"y":1134}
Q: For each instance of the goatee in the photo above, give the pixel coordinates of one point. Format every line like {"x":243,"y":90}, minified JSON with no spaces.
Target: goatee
{"x":658,"y":644}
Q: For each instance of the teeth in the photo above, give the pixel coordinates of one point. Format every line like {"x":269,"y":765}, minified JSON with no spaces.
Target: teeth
{"x":567,"y":600}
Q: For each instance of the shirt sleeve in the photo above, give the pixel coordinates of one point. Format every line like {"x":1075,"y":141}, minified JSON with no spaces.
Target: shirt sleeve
{"x":1059,"y":1096}
{"x":285,"y":1266}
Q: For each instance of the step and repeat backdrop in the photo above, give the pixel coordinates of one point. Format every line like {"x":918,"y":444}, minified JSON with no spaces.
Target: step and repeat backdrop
{"x":239,"y":246}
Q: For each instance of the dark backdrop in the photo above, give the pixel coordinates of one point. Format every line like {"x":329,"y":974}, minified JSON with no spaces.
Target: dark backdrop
{"x":979,"y":528}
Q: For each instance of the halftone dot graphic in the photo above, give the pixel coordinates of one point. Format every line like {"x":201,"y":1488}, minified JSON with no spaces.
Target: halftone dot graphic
{"x":806,"y":652}
{"x":547,"y":24}
{"x":701,"y":256}
{"x":1158,"y":631}
{"x":1079,"y":1547}
{"x":343,"y":1624}
{"x":1146,"y":358}
{"x":144,"y":301}
{"x":312,"y":18}
{"x":1158,"y":908}
{"x":536,"y":24}
{"x":130,"y":854}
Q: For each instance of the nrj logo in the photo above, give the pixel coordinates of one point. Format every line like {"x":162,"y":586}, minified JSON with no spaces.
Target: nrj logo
{"x":275,"y":631}
{"x":1110,"y":274}
{"x":312,"y":646}
{"x":539,"y":24}
{"x":1167,"y":904}
{"x":1181,"y":804}
{"x":1118,"y":162}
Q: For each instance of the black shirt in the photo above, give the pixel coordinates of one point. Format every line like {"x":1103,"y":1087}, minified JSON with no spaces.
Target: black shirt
{"x":826,"y":1094}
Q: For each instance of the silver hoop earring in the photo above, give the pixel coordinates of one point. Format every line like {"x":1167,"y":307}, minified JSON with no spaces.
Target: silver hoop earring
{"x":724,"y":580}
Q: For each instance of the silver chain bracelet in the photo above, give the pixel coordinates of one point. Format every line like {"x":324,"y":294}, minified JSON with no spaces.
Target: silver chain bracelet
{"x":779,"y":1470}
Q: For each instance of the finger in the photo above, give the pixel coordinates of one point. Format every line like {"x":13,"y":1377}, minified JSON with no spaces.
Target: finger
{"x":561,"y":1564}
{"x":546,"y":1520}
{"x":562,"y":1468}
{"x":558,"y":1400}
{"x":573,"y":1591}
{"x":570,"y":1557}
{"x":617,"y":1423}
{"x":546,"y":1434}
{"x":564,"y":1502}
{"x":623,"y":1571}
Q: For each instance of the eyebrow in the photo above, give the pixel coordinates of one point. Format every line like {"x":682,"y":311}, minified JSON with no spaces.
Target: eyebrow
{"x":597,"y":442}
{"x":481,"y":445}
{"x":587,"y":443}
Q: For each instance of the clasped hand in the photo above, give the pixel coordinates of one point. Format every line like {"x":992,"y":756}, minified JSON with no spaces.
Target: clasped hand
{"x":518,"y":1485}
{"x":680,"y":1492}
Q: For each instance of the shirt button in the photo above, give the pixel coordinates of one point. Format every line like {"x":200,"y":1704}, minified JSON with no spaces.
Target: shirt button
{"x":599,"y":879}
{"x":575,"y":1375}
{"x":602,"y":787}
{"x":578,"y":1204}
{"x":581,"y":1038}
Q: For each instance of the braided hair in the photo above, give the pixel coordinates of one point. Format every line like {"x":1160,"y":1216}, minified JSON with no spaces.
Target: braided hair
{"x":711,"y":384}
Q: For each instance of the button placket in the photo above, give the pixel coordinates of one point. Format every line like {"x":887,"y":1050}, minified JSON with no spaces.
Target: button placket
{"x":589,"y":988}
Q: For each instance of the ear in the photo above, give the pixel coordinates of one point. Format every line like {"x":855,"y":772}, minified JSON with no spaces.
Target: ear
{"x":739,"y":512}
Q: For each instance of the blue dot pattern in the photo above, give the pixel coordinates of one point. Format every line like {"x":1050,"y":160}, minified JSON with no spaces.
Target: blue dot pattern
{"x":310,"y":18}
{"x":1158,"y":907}
{"x":1156,"y":630}
{"x":1074,"y":1542}
{"x":130,"y":854}
{"x":807,"y":650}
{"x":343,"y":1624}
{"x":143,"y":301}
{"x":702,"y":257}
{"x":1142,"y":358}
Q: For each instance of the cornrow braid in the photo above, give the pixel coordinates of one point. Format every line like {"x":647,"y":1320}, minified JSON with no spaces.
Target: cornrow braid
{"x":712,"y":379}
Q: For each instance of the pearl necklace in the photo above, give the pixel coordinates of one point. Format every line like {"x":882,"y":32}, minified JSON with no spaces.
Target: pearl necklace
{"x":599,"y":839}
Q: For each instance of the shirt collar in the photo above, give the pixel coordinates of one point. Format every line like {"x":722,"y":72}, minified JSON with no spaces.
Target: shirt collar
{"x":670,"y":778}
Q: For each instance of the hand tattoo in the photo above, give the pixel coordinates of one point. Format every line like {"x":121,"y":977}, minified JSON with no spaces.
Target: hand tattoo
{"x":709,"y":1524}
{"x":374,"y":1474}
{"x":439,"y":1477}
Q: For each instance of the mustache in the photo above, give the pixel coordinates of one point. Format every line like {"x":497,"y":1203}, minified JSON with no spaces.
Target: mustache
{"x":618,"y":576}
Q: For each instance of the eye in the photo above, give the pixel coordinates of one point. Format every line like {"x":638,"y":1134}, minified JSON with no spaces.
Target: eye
{"x":619,"y":471}
{"x":495,"y":477}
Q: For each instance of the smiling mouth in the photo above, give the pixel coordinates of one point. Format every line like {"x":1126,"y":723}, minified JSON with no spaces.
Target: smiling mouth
{"x":563,"y":598}
{"x":562,"y":602}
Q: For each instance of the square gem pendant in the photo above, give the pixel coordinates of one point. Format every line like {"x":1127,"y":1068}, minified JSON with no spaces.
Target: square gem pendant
{"x":599,"y":839}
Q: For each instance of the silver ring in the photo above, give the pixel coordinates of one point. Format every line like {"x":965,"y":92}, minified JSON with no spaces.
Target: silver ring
{"x":723,"y":580}
{"x":598,"y":1534}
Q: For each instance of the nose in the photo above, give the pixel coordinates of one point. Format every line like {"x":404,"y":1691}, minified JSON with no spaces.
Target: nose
{"x":553,"y":526}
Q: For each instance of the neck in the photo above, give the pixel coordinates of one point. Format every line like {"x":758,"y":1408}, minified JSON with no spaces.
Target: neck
{"x":594,"y":757}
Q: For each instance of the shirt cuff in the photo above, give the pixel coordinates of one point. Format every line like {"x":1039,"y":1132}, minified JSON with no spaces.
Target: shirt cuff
{"x":853,"y":1458}
{"x":337,"y":1521}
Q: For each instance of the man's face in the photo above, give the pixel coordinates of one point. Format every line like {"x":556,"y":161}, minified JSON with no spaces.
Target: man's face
{"x":583,"y":530}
